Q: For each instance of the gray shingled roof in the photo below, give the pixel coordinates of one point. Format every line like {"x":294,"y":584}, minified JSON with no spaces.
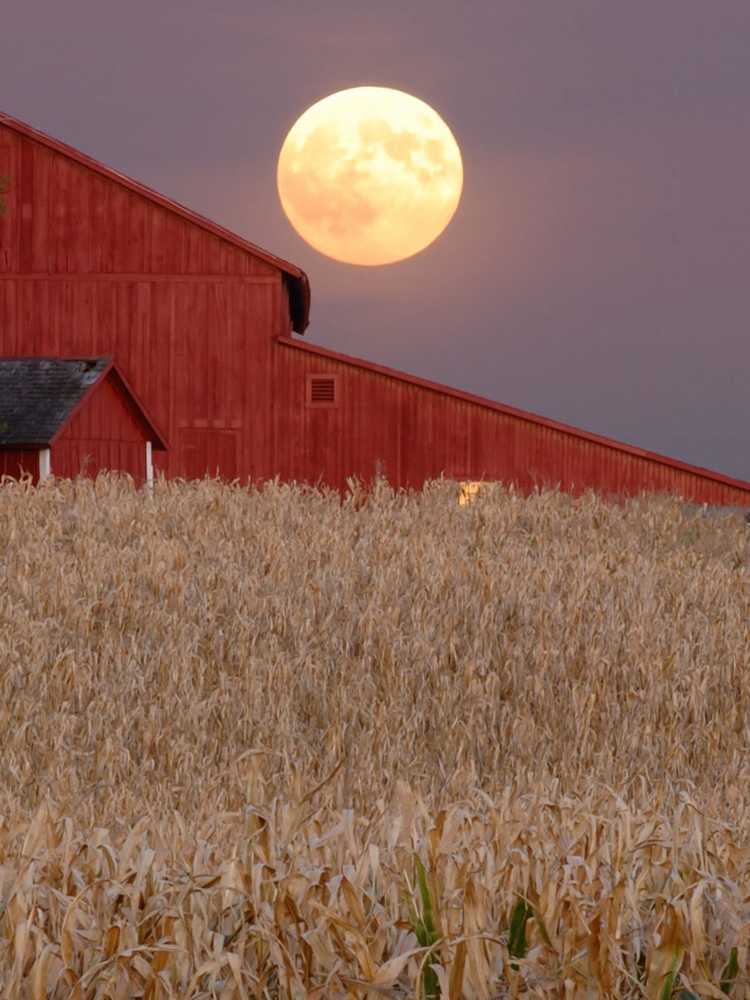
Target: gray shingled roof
{"x":37,"y":395}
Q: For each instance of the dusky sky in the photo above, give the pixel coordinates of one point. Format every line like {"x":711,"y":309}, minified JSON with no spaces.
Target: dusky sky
{"x":597,"y":270}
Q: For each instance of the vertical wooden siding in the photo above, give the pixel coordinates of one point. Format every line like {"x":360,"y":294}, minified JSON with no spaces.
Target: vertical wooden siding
{"x":105,"y":433}
{"x":416,"y":433}
{"x":90,"y":267}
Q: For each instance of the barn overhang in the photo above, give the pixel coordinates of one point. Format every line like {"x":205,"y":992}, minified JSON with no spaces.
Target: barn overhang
{"x":298,"y":290}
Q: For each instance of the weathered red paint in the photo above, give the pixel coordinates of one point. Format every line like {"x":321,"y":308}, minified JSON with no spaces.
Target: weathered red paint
{"x":107,"y":429}
{"x":105,"y":432}
{"x":413,"y":429}
{"x":200,"y":322}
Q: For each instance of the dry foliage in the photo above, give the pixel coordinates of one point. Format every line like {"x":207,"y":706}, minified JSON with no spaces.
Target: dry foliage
{"x":260,"y":744}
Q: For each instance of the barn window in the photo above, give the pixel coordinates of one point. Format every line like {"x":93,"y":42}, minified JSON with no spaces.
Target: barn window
{"x":322,"y":390}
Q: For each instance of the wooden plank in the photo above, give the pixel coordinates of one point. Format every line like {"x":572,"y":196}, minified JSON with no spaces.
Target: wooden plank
{"x":10,"y":217}
{"x":25,"y":252}
{"x":9,"y":318}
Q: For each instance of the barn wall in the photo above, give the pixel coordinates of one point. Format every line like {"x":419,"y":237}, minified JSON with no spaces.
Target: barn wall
{"x":18,"y":462}
{"x":416,"y":433}
{"x":64,"y":218}
{"x":89,"y":267}
{"x":105,"y":433}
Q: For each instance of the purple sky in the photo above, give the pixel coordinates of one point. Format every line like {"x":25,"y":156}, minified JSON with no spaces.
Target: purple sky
{"x":597,"y":270}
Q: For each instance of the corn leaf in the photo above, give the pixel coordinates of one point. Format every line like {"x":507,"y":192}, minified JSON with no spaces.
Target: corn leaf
{"x":517,"y":944}
{"x":729,"y":973}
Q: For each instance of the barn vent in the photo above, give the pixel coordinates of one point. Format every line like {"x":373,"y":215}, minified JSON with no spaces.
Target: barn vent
{"x":322,"y":390}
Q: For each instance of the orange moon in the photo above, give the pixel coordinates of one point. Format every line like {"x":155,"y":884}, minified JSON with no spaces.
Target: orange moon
{"x":369,"y":175}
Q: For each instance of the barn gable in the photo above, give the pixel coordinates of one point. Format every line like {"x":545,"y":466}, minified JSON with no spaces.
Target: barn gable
{"x":72,"y":416}
{"x":39,"y":397}
{"x":148,"y":232}
{"x":94,"y":263}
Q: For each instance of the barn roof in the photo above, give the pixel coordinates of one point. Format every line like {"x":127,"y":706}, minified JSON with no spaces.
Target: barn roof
{"x":38,"y":396}
{"x":296,"y":280}
{"x":513,"y":411}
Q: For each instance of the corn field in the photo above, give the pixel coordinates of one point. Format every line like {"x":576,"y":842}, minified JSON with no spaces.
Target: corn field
{"x":266,"y":743}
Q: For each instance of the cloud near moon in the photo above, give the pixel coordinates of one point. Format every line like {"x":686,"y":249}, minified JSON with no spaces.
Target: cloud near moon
{"x":370,"y":175}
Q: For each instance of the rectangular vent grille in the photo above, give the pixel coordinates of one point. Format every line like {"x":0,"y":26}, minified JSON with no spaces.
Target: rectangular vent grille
{"x":321,"y":390}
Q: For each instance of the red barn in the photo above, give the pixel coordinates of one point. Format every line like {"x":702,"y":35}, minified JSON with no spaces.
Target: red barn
{"x":71,"y":415}
{"x":200,"y":322}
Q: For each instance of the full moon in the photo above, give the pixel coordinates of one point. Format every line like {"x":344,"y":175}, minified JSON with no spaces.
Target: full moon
{"x":369,"y":175}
